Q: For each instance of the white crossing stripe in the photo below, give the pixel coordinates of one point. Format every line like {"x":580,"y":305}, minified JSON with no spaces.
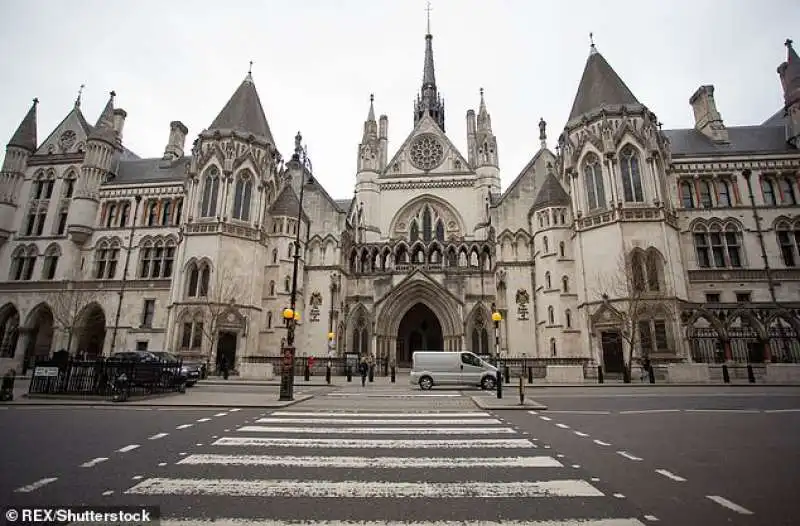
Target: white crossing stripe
{"x":130,"y":447}
{"x":382,"y":430}
{"x":562,"y":426}
{"x":580,"y":434}
{"x":95,"y":461}
{"x":184,"y":426}
{"x":511,"y":443}
{"x":203,"y":419}
{"x":381,"y":395}
{"x":409,"y":421}
{"x":601,"y":443}
{"x":374,"y":462}
{"x":270,"y":522}
{"x":730,"y":505}
{"x":646,"y":411}
{"x":464,"y":414}
{"x":358,"y":489}
{"x":158,"y":435}
{"x":670,"y":475}
{"x":628,"y":455}
{"x":36,"y":485}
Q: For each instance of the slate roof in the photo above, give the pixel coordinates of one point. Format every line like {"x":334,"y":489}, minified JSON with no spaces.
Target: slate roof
{"x":104,"y":128}
{"x":244,"y":112}
{"x":600,"y":86}
{"x":286,"y":204}
{"x":778,"y":119}
{"x":137,"y":171}
{"x":743,"y":140}
{"x":551,"y":193}
{"x":25,"y":136}
{"x":343,"y":204}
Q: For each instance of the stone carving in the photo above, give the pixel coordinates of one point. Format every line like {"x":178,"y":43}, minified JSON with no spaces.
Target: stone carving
{"x":315,"y":301}
{"x":522,"y":299}
{"x":501,"y":279}
{"x":426,"y":152}
{"x":67,"y":140}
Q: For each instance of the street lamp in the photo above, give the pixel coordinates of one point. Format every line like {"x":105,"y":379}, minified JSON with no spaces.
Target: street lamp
{"x":289,"y":314}
{"x":497,"y":318}
{"x":331,"y":340}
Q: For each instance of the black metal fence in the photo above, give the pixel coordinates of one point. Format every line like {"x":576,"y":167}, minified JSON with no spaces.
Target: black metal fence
{"x":319,"y":365}
{"x":96,"y":377}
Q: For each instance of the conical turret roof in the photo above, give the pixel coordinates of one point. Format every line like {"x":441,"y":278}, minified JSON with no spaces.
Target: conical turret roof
{"x":551,"y":193}
{"x":104,"y":128}
{"x":600,"y":86}
{"x":25,"y":136}
{"x":244,"y":113}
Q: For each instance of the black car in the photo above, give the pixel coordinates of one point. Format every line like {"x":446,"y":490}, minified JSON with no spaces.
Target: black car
{"x":146,"y":368}
{"x":190,"y":370}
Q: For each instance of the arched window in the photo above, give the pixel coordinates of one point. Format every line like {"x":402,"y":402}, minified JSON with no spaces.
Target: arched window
{"x":631,"y":175}
{"x":768,"y":191}
{"x":124,"y":213}
{"x":551,"y":315}
{"x":788,"y":197}
{"x":287,"y":284}
{"x":561,"y":249}
{"x":593,"y":181}
{"x":545,"y":245}
{"x":427,"y":234}
{"x":242,"y":194}
{"x":269,"y":319}
{"x":687,"y":194}
{"x":208,"y":205}
{"x":440,"y":231}
{"x":480,"y":336}
{"x":192,"y":334}
{"x":272,"y":288}
{"x":718,"y":248}
{"x":723,"y":193}
{"x":22,"y":263}
{"x":553,"y":350}
{"x":565,"y":284}
{"x":9,"y":332}
{"x":166,"y":212}
{"x":414,"y":231}
{"x":106,"y":258}
{"x":194,"y":279}
{"x":169,"y":258}
{"x":69,"y":185}
{"x":111,"y":215}
{"x":638,"y":281}
{"x":652,"y":270}
{"x":205,"y":278}
{"x":146,"y":264}
{"x":568,"y":318}
{"x":547,"y":284}
{"x":274,"y":255}
{"x":152,"y":213}
{"x":178,"y":211}
{"x":50,"y":262}
{"x":361,"y":337}
{"x":789,"y":242}
{"x":705,"y":194}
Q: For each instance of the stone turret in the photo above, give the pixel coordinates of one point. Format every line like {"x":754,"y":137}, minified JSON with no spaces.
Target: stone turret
{"x":18,"y":150}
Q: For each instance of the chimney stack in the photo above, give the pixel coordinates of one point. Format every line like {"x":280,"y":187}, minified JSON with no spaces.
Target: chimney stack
{"x":707,"y":119}
{"x":119,"y":121}
{"x":177,"y":140}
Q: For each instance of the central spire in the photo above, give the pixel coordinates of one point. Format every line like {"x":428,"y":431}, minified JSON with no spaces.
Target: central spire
{"x":429,"y":101}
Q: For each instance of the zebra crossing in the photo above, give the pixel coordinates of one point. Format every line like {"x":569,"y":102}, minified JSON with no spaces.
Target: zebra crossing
{"x":349,"y":468}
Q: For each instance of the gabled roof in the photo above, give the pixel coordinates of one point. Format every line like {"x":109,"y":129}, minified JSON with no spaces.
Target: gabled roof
{"x":742,"y":140}
{"x":25,"y":136}
{"x":244,"y":112}
{"x":73,"y":119}
{"x":286,"y":204}
{"x":426,"y":124}
{"x":498,"y":199}
{"x":551,"y":193}
{"x":600,"y":86}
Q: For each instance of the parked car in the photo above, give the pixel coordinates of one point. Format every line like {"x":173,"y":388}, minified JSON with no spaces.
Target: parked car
{"x":189,"y":369}
{"x":451,"y":368}
{"x":146,"y":367}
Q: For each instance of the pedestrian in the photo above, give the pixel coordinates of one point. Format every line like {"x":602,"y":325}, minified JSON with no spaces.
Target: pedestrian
{"x":363,"y":368}
{"x":223,"y":366}
{"x":645,"y":368}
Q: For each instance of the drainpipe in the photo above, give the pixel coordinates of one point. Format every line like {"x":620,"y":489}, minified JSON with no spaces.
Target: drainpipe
{"x":138,"y":199}
{"x":770,"y":282}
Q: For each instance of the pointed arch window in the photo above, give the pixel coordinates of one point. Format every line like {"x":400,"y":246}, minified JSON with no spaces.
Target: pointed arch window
{"x":440,"y":231}
{"x":480,"y":336}
{"x":361,"y":337}
{"x":427,"y":222}
{"x":69,"y":185}
{"x":553,"y":349}
{"x":638,"y":281}
{"x":414,"y":231}
{"x":111,"y":215}
{"x":723,"y":193}
{"x":788,"y":196}
{"x":274,"y":255}
{"x":789,"y":241}
{"x":561,"y":249}
{"x":652,"y":270}
{"x":545,"y":245}
{"x":547,"y":283}
{"x":593,"y":181}
{"x":152,"y":213}
{"x":166,"y":212}
{"x":687,"y":195}
{"x":631,"y":175}
{"x":242,"y":195}
{"x":50,"y":262}
{"x":194,"y":278}
{"x":568,"y":318}
{"x":147,"y":259}
{"x":705,"y":194}
{"x":269,"y":320}
{"x":124,"y":213}
{"x":287,"y":284}
{"x":565,"y":285}
{"x":208,"y":204}
{"x":22,"y":262}
{"x":551,"y":315}
{"x":205,"y":278}
{"x":106,"y":259}
{"x":768,"y":191}
{"x":272,"y":288}
{"x":718,"y":248}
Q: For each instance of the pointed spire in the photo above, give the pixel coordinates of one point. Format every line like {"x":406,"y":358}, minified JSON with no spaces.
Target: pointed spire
{"x":599,"y":86}
{"x":789,"y":72}
{"x":429,"y":100}
{"x":482,"y":107}
{"x":243,"y":112}
{"x":371,"y":114}
{"x":484,"y":119}
{"x":104,"y":128}
{"x":25,"y":136}
{"x":428,"y":9}
{"x":78,"y":99}
{"x":592,"y":48}
{"x":249,"y":77}
{"x":428,"y":73}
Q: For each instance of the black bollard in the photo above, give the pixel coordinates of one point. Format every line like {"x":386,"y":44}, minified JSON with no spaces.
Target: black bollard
{"x":751,"y":377}
{"x":349,"y":373}
{"x":600,"y":374}
{"x":372,"y":374}
{"x":393,"y":374}
{"x":499,"y":383}
{"x":530,"y":375}
{"x":307,"y":373}
{"x":328,"y":375}
{"x":508,"y":376}
{"x":626,"y":375}
{"x":652,"y":374}
{"x":726,"y":375}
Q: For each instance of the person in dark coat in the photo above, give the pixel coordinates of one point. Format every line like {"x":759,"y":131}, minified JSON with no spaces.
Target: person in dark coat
{"x":363,"y":368}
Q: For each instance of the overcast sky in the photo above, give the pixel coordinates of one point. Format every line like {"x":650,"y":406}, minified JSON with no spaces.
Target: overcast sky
{"x":317,"y":61}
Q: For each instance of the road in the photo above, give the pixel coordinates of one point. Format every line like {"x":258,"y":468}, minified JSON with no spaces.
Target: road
{"x":395,"y":454}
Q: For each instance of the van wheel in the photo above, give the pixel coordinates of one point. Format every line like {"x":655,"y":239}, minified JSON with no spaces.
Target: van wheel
{"x":487,"y":384}
{"x":425,"y":383}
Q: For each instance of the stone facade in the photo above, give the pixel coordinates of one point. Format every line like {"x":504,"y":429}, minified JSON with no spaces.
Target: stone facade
{"x":628,"y":241}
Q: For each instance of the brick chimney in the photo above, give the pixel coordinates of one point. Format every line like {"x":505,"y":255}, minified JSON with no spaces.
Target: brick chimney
{"x":177,"y":140}
{"x":707,"y":119}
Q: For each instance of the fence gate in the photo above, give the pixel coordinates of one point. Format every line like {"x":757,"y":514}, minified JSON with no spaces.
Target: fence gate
{"x":706,"y":345}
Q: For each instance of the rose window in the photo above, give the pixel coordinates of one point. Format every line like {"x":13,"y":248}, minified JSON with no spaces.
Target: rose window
{"x":426,"y":152}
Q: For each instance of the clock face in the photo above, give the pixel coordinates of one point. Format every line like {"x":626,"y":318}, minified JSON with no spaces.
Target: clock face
{"x":67,"y":139}
{"x":426,"y":152}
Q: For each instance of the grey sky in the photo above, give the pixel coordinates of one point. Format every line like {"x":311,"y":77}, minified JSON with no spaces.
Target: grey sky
{"x":317,"y":61}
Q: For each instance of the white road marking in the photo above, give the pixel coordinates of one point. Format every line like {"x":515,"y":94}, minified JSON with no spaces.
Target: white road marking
{"x":619,"y":495}
{"x":628,"y":455}
{"x":728,"y":504}
{"x":227,"y":430}
{"x":411,"y":421}
{"x":137,"y":477}
{"x":580,"y":434}
{"x":162,"y":464}
{"x":182,"y":453}
{"x":547,"y":447}
{"x":270,"y":522}
{"x":562,"y":426}
{"x":372,"y":462}
{"x":203,"y":419}
{"x":199,"y":444}
{"x":581,"y":412}
{"x":381,"y":430}
{"x":594,"y":479}
{"x":127,"y":448}
{"x":722,"y":410}
{"x":221,"y":414}
{"x":576,"y":466}
{"x":358,"y":489}
{"x":158,"y":435}
{"x":652,"y":518}
{"x":670,"y":475}
{"x":381,"y":395}
{"x":465,"y":414}
{"x":514,"y":443}
{"x":107,"y":493}
{"x":36,"y":485}
{"x":184,"y":426}
{"x":646,"y":411}
{"x":235,"y":409}
{"x":95,"y":461}
{"x":601,"y":443}
{"x":545,"y":418}
{"x":782,"y":411}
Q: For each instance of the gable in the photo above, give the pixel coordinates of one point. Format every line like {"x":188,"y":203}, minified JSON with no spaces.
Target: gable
{"x":426,"y":151}
{"x":530,"y":179}
{"x":69,"y":135}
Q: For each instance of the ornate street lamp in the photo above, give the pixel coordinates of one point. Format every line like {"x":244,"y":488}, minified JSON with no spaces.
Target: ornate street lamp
{"x":289,"y":314}
{"x":331,"y":343}
{"x":497,"y":318}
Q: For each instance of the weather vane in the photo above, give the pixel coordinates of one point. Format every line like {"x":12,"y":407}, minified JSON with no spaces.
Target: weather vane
{"x":428,"y":9}
{"x":250,"y":71}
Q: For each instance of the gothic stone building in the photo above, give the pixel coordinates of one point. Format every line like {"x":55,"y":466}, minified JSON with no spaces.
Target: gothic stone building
{"x":686,"y":238}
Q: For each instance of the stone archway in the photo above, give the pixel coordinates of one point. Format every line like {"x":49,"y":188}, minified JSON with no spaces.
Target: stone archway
{"x":419,"y":330}
{"x":9,"y":330}
{"x":91,"y":331}
{"x":39,"y":329}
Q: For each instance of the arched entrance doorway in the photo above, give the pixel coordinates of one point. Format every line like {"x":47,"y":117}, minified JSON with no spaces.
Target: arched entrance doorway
{"x":9,"y":330}
{"x":91,"y":331}
{"x":40,"y":336}
{"x":420,"y":330}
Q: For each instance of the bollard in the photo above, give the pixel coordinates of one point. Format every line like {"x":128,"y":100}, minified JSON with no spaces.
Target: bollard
{"x":726,"y":375}
{"x":349,"y":371}
{"x":328,"y":375}
{"x":499,"y":383}
{"x":751,"y":377}
{"x":508,"y":376}
{"x":307,"y":373}
{"x":530,"y":375}
{"x":652,"y":374}
{"x":600,"y":374}
{"x":393,"y":374}
{"x":521,"y":391}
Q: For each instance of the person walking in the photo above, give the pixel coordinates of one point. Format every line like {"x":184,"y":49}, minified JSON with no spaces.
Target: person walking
{"x":363,"y":368}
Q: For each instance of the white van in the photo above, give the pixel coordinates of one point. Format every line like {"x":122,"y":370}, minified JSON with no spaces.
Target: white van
{"x":451,"y":368}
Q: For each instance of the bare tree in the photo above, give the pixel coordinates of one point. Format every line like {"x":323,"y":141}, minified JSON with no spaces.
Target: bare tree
{"x":224,"y":287}
{"x":69,"y":307}
{"x":635,"y":290}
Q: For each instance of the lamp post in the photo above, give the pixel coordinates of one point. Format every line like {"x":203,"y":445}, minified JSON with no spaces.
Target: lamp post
{"x":137,"y":199}
{"x":290,"y":315}
{"x":331,"y":341}
{"x":497,"y":318}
